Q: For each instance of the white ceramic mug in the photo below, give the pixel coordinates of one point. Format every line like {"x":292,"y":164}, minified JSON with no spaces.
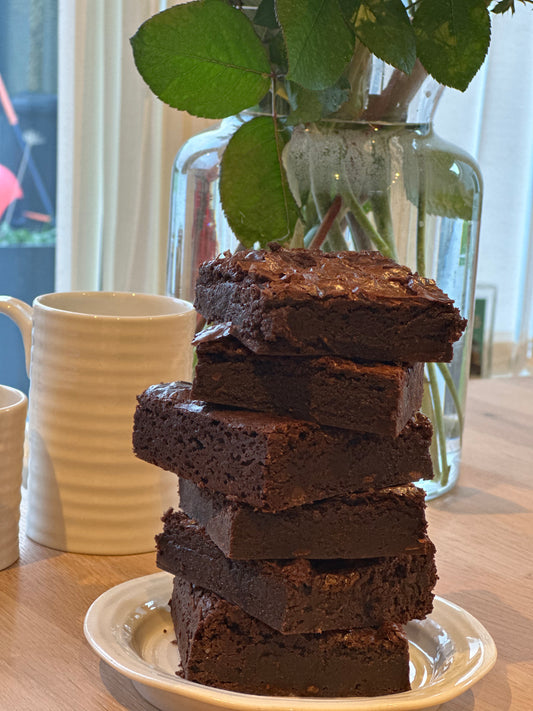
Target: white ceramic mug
{"x":13,"y":405}
{"x":92,"y":353}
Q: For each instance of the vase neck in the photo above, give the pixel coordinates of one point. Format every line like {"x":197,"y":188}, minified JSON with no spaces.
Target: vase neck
{"x":383,"y":94}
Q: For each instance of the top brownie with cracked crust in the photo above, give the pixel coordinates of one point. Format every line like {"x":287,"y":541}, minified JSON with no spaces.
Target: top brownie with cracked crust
{"x":359,"y":305}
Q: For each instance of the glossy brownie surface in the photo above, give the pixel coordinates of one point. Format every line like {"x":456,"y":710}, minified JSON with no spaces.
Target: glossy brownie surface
{"x":307,"y":302}
{"x":301,"y":274}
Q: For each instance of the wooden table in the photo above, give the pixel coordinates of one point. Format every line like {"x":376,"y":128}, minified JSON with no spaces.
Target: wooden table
{"x":483,"y":531}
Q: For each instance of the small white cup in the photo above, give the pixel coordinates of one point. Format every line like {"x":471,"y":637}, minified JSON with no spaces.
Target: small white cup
{"x":92,"y":353}
{"x":13,"y":406}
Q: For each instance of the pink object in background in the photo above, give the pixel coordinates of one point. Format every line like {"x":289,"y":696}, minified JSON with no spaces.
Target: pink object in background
{"x":9,"y":188}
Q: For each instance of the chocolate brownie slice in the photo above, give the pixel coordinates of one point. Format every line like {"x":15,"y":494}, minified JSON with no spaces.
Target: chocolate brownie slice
{"x":300,"y":596}
{"x":330,"y":390}
{"x":306,"y":302}
{"x":370,"y":525}
{"x":268,"y":461}
{"x":220,"y":645}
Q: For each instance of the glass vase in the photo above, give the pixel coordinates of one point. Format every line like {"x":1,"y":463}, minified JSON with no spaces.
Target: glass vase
{"x":198,"y":229}
{"x":401,"y":189}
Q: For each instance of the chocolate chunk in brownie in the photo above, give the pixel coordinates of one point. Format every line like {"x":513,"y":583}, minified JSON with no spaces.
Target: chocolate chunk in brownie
{"x":268,"y":461}
{"x":306,"y":302}
{"x":300,"y":595}
{"x":222,"y":646}
{"x":382,"y":523}
{"x":330,"y":390}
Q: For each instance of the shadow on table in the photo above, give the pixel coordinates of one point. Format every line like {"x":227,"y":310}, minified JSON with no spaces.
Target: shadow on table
{"x":506,"y":623}
{"x":122,"y":690}
{"x":32,"y":552}
{"x":467,"y":703}
{"x":471,"y":500}
{"x":512,"y":632}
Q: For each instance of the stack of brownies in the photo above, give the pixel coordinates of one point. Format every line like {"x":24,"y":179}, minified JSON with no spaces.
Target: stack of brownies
{"x":300,"y":548}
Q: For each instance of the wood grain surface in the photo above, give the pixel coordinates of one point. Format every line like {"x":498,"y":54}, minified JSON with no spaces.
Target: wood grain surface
{"x":483,"y":531}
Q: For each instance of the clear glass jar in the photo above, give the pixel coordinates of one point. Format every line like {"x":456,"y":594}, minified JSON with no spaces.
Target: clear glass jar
{"x":417,"y":199}
{"x":404,"y":191}
{"x":198,"y":229}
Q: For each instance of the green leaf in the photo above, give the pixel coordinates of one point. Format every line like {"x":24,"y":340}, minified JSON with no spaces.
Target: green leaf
{"x":503,"y":6}
{"x":310,"y":105}
{"x":349,"y":9}
{"x":278,"y":53}
{"x":383,"y":26}
{"x":253,"y":187}
{"x":202,"y":57}
{"x":306,"y":105}
{"x":449,"y":193}
{"x":452,"y":38}
{"x":448,"y":179}
{"x":265,"y":15}
{"x":319,"y":42}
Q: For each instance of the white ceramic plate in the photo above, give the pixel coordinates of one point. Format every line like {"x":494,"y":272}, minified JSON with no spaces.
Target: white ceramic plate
{"x":129,"y":626}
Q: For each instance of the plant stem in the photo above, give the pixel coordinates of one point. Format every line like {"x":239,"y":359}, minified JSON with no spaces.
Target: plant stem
{"x":363,"y":221}
{"x":382,"y":215}
{"x":438,"y":422}
{"x":421,"y":232}
{"x":335,"y":241}
{"x":335,"y":235}
{"x":392,"y":104}
{"x":310,"y":213}
{"x":428,"y":409}
{"x":327,"y":223}
{"x":359,"y":237}
{"x":445,"y":372}
{"x":310,"y":235}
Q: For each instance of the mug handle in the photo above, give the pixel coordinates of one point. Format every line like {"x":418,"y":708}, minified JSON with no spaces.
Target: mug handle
{"x":21,"y":313}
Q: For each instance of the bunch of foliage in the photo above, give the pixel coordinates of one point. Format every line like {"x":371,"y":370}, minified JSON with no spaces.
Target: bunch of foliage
{"x":305,"y":63}
{"x":215,"y":58}
{"x":14,"y":236}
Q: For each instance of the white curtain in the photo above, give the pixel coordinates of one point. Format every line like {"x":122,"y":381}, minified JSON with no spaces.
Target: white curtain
{"x":492,"y":120}
{"x":116,"y":144}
